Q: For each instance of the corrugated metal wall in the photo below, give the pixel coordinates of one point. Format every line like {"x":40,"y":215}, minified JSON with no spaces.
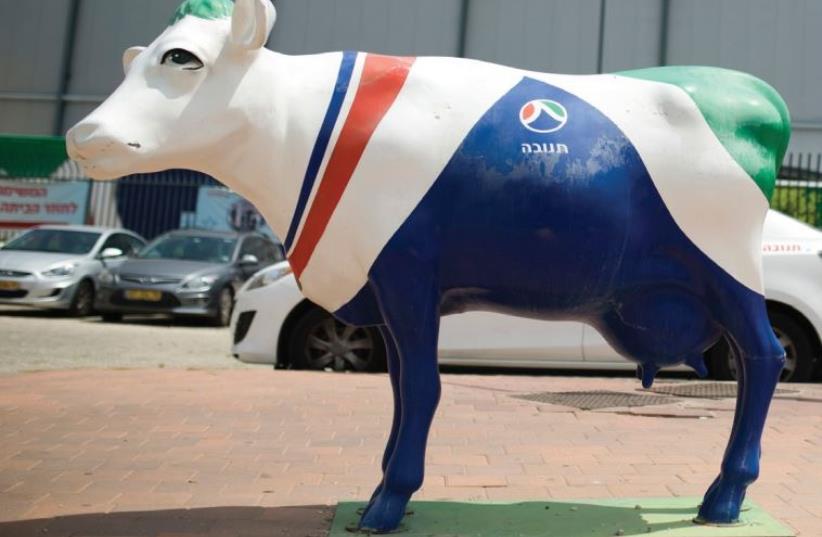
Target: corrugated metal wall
{"x":31,"y":38}
{"x":543,"y":35}
{"x":419,"y":27}
{"x":779,"y":41}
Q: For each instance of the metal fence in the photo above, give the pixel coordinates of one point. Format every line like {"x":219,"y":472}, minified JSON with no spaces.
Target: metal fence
{"x":152,"y":204}
{"x":148,"y":204}
{"x":799,"y":189}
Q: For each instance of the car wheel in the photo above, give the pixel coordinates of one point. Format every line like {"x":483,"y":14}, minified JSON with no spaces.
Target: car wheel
{"x":112,"y":317}
{"x":225,"y":304}
{"x":82,"y":305}
{"x":319,"y":342}
{"x":794,"y":338}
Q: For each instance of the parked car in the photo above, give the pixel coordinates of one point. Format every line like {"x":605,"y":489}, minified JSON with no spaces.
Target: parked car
{"x":186,"y":272}
{"x":273,"y":323}
{"x":57,"y":266}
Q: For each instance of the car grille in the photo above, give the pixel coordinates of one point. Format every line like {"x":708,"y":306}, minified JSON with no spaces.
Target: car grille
{"x":4,"y":273}
{"x":168,"y":301}
{"x":20,"y":293}
{"x":244,"y":321}
{"x":148,"y":280}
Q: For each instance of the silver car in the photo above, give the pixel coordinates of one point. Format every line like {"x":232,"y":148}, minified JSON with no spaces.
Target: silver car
{"x":56,"y":267}
{"x":186,"y":273}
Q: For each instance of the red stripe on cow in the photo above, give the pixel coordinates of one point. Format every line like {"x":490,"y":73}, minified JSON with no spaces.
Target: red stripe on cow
{"x":382,"y":79}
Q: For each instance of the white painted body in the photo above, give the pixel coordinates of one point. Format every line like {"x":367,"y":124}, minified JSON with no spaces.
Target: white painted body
{"x":793,"y":276}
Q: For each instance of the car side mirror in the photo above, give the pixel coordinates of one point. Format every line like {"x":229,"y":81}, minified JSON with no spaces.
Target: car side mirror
{"x":111,"y":253}
{"x":249,"y":259}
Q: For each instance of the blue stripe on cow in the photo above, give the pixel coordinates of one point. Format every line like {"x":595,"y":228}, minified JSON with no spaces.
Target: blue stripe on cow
{"x":321,"y":144}
{"x":608,"y":251}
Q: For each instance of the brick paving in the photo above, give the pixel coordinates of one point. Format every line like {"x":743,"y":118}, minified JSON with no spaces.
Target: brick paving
{"x":174,"y":453}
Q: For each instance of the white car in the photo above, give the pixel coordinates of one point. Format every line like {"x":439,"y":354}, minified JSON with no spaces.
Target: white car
{"x":274,"y":324}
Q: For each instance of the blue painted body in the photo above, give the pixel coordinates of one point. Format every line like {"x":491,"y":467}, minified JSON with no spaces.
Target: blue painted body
{"x":581,"y":235}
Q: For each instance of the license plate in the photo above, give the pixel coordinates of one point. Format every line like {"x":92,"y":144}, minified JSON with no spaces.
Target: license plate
{"x":144,"y":295}
{"x":9,"y":286}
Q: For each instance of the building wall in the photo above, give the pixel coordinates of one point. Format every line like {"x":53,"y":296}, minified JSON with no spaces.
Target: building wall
{"x":419,"y":27}
{"x":778,"y":41}
{"x":31,"y":37}
{"x":542,"y":35}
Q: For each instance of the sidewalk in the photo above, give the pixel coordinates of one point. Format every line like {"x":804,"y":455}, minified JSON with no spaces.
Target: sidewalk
{"x":177,"y":453}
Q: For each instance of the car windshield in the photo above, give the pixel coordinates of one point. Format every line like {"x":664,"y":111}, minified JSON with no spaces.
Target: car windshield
{"x":191,"y":248}
{"x":57,"y":241}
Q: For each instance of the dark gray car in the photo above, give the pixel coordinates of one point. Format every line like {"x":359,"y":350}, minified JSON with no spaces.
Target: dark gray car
{"x":186,"y":272}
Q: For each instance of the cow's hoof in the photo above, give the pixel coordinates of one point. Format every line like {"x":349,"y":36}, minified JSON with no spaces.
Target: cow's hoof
{"x":722,"y":503}
{"x":384,"y":513}
{"x":363,"y":510}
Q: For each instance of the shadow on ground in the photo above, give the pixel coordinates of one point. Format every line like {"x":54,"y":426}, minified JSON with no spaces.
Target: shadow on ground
{"x":156,"y":320}
{"x":303,"y":521}
{"x":33,"y":313}
{"x":22,"y":312}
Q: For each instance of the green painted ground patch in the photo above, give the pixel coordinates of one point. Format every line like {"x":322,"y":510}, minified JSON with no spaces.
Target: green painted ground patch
{"x":655,"y":517}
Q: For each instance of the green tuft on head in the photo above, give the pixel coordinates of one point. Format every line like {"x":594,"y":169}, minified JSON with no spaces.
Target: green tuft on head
{"x":204,"y":9}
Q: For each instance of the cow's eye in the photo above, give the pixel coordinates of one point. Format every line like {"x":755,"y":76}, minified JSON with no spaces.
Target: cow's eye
{"x":182,"y":59}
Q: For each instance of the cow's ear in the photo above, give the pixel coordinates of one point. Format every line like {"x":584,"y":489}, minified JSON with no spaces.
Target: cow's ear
{"x":129,"y":55}
{"x":252,"y":22}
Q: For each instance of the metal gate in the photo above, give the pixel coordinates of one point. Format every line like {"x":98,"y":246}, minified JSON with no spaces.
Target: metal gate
{"x":799,"y":188}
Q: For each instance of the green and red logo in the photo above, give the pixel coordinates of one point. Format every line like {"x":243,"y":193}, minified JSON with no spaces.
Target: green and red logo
{"x":543,"y":116}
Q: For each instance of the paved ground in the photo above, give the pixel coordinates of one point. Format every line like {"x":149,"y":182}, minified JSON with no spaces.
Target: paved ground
{"x":30,"y":338}
{"x":178,"y":453}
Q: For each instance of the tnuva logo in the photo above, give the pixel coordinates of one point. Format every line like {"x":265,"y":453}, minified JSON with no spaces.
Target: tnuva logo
{"x":543,"y":116}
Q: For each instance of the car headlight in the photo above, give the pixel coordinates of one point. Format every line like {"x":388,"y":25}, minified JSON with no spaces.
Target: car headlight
{"x":269,"y":276}
{"x":202,"y":283}
{"x":107,"y":277}
{"x":61,"y":271}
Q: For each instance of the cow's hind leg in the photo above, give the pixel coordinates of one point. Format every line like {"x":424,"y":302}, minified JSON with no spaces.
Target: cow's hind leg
{"x":760,"y":359}
{"x":411,"y":312}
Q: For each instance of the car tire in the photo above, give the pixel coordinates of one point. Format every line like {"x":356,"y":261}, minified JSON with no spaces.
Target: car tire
{"x":320,"y":342}
{"x":82,"y":303}
{"x":799,"y":351}
{"x":112,"y":317}
{"x":225,"y":305}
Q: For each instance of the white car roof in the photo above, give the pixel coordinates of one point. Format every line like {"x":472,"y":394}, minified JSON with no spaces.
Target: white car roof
{"x":98,"y":229}
{"x":782,"y":226}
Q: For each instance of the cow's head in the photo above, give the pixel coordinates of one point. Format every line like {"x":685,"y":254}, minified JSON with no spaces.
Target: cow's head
{"x":184,"y":97}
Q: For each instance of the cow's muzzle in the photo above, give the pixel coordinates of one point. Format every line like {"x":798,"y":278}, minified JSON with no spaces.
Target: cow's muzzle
{"x":86,"y":142}
{"x":101,"y":155}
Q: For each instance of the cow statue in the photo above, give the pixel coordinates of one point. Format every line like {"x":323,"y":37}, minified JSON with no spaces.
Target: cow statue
{"x":409,"y":188}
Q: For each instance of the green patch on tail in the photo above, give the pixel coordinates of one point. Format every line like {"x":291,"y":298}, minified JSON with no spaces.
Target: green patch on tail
{"x":204,"y":9}
{"x":747,"y":115}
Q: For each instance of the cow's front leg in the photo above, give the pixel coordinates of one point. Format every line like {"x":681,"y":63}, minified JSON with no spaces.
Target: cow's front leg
{"x":759,"y":359}
{"x":393,"y":359}
{"x":412,"y":318}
